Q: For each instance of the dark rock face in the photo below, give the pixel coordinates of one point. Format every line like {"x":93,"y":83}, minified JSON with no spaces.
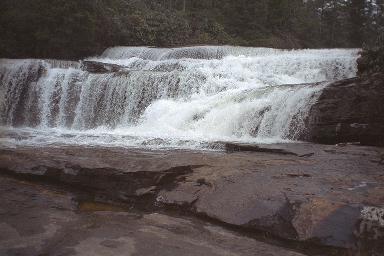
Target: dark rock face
{"x":371,"y":61}
{"x":350,"y":110}
{"x":100,"y":67}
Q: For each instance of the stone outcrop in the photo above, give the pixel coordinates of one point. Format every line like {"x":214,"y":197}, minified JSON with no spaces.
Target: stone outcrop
{"x":45,"y":220}
{"x":350,"y":110}
{"x":100,"y":67}
{"x":329,"y":196}
{"x":371,"y":61}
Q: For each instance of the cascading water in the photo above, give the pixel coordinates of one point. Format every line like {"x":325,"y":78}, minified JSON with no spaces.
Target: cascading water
{"x":169,"y":97}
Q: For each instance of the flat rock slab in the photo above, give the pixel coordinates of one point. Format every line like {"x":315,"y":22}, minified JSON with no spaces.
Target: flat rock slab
{"x":41,"y":220}
{"x":328,"y":195}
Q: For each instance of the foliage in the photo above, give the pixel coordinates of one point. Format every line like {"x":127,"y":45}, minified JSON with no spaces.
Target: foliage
{"x":371,"y":61}
{"x":73,"y":29}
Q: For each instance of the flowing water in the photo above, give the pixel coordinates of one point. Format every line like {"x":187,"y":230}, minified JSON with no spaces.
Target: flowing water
{"x":181,"y":97}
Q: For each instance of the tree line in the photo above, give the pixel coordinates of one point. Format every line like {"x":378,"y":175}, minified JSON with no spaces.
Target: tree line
{"x":73,"y":29}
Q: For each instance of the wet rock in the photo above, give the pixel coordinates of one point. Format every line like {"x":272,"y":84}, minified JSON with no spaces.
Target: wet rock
{"x":371,"y":61}
{"x":316,"y":199}
{"x":237,"y":147}
{"x":100,"y":67}
{"x":350,"y":110}
{"x":40,"y":220}
{"x":319,"y":217}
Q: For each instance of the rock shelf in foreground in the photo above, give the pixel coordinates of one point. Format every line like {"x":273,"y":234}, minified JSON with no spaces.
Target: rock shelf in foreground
{"x":331,"y":196}
{"x":40,"y":220}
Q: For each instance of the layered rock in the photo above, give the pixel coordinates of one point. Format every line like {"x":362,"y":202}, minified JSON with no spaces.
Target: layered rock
{"x":311,"y":194}
{"x":57,"y":223}
{"x":350,"y":110}
{"x":100,"y":67}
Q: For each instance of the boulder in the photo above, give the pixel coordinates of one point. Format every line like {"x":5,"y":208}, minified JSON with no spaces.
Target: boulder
{"x":100,"y":67}
{"x":350,"y":110}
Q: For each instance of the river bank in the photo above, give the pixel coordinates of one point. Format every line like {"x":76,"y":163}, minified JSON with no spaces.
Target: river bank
{"x":314,"y":196}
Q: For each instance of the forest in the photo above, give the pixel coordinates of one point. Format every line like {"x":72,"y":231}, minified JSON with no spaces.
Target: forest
{"x":73,"y":29}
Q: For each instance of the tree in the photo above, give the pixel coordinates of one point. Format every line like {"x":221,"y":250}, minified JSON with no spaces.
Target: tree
{"x":357,"y":21}
{"x":72,"y":29}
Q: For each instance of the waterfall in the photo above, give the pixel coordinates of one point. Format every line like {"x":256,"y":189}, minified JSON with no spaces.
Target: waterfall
{"x":200,"y":94}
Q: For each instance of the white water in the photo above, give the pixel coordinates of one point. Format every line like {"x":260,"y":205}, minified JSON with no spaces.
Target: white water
{"x":181,"y":97}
